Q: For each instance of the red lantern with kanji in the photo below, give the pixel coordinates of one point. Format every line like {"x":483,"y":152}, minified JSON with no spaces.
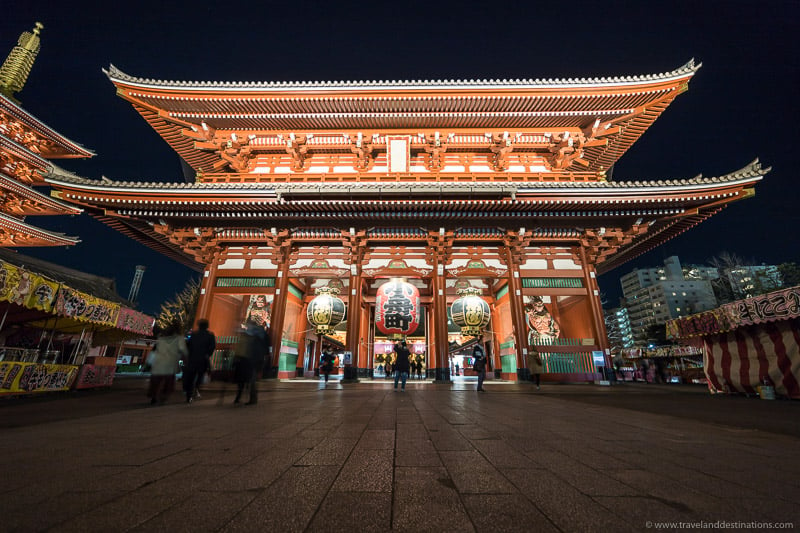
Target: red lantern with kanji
{"x":397,"y":308}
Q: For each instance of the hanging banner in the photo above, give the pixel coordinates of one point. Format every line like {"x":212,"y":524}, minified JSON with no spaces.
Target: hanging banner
{"x":27,"y":289}
{"x":92,"y":376}
{"x":17,"y":378}
{"x":772,"y":307}
{"x":134,"y":321}
{"x":81,"y":306}
{"x":14,"y":284}
{"x":43,"y":293}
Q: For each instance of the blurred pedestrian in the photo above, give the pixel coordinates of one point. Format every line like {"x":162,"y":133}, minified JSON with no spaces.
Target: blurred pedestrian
{"x":326,"y":363}
{"x":401,"y":364}
{"x":249,"y":358}
{"x":535,"y":368}
{"x":457,"y":370}
{"x":201,"y":345}
{"x":479,"y":366}
{"x":163,"y":361}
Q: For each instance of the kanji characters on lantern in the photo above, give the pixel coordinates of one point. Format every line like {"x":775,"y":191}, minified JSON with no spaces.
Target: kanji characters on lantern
{"x":397,"y":308}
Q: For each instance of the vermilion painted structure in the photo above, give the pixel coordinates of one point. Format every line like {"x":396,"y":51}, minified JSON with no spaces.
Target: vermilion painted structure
{"x":26,"y":146}
{"x":65,"y":310}
{"x":499,"y":184}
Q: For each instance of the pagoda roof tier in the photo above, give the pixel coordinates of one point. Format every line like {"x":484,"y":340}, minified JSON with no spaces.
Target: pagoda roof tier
{"x":22,"y":127}
{"x":15,"y":233}
{"x":25,"y":165}
{"x":21,"y":200}
{"x":610,"y":112}
{"x":619,"y":219}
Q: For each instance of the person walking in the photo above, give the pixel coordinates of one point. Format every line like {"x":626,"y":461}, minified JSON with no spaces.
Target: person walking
{"x":401,"y":365}
{"x":326,"y":363}
{"x":534,"y":361}
{"x":479,"y":366}
{"x":248,"y":360}
{"x":457,"y":370}
{"x":163,"y":361}
{"x":201,"y":345}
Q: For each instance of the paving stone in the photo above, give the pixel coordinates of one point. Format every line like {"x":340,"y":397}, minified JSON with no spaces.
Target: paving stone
{"x":416,"y":509}
{"x":359,"y":457}
{"x":289,"y":504}
{"x":505,"y":512}
{"x":564,"y":505}
{"x":367,"y":471}
{"x":348,"y":512}
{"x":473,"y":474}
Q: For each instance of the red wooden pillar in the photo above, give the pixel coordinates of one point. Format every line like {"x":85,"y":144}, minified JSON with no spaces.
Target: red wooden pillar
{"x":517,"y":312}
{"x":593,"y":292}
{"x":369,"y":330}
{"x":364,"y":359}
{"x":439,"y":307}
{"x":206,"y":290}
{"x":353,"y":323}
{"x":279,"y":308}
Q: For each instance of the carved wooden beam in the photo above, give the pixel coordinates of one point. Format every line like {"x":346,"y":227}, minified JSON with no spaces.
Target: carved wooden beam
{"x":500,"y":146}
{"x":435,"y":147}
{"x":200,"y":243}
{"x":440,"y":247}
{"x":516,"y":242}
{"x":281,"y":244}
{"x":363,"y":149}
{"x":355,"y":242}
{"x":297,"y":148}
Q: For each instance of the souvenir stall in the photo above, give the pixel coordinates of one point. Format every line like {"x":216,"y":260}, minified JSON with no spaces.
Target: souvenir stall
{"x":748,"y":345}
{"x":52,"y":335}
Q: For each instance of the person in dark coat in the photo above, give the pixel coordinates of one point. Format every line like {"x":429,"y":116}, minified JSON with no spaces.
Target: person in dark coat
{"x":401,"y":365}
{"x":201,"y":345}
{"x":480,"y":365}
{"x":249,"y":358}
{"x":326,"y":363}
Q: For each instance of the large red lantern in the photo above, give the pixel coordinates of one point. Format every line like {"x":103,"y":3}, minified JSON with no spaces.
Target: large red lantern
{"x":397,"y":308}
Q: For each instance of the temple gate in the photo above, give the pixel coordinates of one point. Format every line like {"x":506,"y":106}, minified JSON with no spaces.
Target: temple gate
{"x":499,"y":185}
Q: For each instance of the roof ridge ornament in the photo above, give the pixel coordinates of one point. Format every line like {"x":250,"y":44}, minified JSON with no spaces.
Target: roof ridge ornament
{"x":17,"y":66}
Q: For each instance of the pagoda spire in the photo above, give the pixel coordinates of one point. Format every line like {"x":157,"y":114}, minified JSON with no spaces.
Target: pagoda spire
{"x":17,"y":66}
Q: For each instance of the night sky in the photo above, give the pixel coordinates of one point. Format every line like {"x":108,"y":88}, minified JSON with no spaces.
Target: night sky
{"x":740,"y":105}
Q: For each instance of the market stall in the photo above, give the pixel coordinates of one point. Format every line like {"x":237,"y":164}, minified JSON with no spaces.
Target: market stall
{"x":55,"y":324}
{"x":748,"y":343}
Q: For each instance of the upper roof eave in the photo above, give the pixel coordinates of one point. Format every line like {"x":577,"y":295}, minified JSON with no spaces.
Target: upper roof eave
{"x":19,"y":226}
{"x":749,"y":174}
{"x":36,"y":124}
{"x":687,"y":70}
{"x":28,"y":192}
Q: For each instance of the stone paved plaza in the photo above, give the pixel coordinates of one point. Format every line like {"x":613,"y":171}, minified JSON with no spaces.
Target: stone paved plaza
{"x":361,"y":457}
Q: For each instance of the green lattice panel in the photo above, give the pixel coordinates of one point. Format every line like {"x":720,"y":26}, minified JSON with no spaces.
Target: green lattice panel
{"x":552,"y":283}
{"x":568,"y":363}
{"x":245,"y":282}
